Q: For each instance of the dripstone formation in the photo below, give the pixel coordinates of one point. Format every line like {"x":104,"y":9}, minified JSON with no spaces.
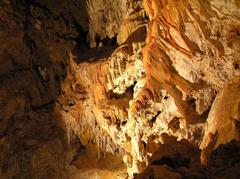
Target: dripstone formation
{"x":119,"y":89}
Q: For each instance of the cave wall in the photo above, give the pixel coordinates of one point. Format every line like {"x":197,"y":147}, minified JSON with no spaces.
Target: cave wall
{"x":106,"y":89}
{"x":35,"y":43}
{"x":38,"y":137}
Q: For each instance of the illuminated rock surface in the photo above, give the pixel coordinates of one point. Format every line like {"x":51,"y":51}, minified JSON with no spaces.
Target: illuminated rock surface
{"x":119,"y":89}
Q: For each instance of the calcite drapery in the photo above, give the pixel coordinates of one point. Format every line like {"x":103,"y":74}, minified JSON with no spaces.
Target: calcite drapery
{"x":170,"y":59}
{"x":164,"y":35}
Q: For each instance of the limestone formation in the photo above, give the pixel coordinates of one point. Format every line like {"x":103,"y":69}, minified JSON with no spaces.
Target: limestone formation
{"x":119,"y":89}
{"x":222,"y":125}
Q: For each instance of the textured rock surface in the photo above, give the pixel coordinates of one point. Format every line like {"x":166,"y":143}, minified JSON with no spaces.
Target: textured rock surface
{"x":36,"y":132}
{"x":34,"y":57}
{"x":222,"y":125}
{"x":98,"y":89}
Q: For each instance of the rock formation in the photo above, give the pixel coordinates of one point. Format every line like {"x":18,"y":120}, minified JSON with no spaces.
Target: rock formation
{"x":119,"y":89}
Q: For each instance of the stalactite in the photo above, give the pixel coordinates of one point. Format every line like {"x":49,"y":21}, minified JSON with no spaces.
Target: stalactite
{"x":134,"y":22}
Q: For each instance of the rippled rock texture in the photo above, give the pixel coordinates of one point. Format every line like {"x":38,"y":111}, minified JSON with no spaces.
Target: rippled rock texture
{"x":119,"y":89}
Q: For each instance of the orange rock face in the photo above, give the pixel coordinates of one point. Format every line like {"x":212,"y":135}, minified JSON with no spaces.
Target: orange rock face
{"x":119,"y":89}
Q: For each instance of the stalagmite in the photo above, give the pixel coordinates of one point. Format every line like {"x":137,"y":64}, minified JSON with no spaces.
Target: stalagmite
{"x":222,"y":125}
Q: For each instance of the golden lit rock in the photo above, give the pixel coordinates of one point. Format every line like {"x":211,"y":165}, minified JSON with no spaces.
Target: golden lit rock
{"x":119,"y":89}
